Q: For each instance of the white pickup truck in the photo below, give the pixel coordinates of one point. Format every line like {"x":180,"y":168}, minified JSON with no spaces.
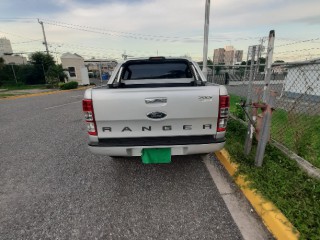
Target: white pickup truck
{"x":156,"y":103}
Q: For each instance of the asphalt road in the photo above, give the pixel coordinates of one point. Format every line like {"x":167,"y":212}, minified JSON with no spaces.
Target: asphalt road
{"x":52,"y":187}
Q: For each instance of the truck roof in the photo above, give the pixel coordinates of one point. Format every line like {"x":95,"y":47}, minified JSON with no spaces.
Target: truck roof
{"x":156,"y":57}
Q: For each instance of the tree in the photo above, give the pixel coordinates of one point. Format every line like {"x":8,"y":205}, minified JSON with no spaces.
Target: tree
{"x":43,"y":59}
{"x":44,"y":66}
{"x":217,"y":69}
{"x":262,"y":61}
{"x":1,"y":63}
{"x":55,"y":74}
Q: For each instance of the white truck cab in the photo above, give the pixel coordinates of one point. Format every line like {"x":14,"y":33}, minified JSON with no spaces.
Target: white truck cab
{"x":156,"y":102}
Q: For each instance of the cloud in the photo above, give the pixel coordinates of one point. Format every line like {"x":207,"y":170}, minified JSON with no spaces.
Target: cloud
{"x":164,"y":25}
{"x":28,"y":8}
{"x":255,"y":13}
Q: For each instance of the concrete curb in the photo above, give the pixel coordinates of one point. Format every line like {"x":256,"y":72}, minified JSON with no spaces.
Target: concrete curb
{"x":43,"y":93}
{"x":275,"y":221}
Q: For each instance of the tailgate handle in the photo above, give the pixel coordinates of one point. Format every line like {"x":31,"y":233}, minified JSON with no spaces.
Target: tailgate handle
{"x":155,"y":100}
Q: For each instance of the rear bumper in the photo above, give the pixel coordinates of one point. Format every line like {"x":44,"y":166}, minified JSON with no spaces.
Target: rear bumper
{"x":175,"y":150}
{"x":185,"y":146}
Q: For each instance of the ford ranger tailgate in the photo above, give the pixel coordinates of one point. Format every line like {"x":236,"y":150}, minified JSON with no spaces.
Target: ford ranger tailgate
{"x":156,"y":112}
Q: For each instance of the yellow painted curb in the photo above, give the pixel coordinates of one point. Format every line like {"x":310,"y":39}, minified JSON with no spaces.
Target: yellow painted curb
{"x":42,"y":93}
{"x":275,"y":221}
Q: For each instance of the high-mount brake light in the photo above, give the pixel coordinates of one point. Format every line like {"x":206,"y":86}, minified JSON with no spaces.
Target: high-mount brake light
{"x":224,"y":104}
{"x":87,"y":107}
{"x":157,"y":58}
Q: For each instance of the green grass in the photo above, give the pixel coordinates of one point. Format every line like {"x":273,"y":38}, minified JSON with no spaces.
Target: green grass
{"x":20,"y":86}
{"x":279,"y":180}
{"x":4,"y":95}
{"x":298,"y":132}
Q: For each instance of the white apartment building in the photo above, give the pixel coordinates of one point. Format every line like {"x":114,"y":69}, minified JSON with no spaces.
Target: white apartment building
{"x":5,"y":46}
{"x":238,"y":55}
{"x":218,"y":56}
{"x":227,"y":55}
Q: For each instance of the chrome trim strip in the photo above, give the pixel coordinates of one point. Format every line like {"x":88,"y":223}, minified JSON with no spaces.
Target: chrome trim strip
{"x":155,"y":100}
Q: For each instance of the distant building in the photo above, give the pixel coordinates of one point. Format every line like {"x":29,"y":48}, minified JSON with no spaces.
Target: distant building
{"x":106,"y":65}
{"x":75,"y":68}
{"x":5,"y":46}
{"x":7,"y":54}
{"x":14,"y":59}
{"x":238,"y":55}
{"x":218,"y":56}
{"x":229,"y":48}
{"x":227,"y":55}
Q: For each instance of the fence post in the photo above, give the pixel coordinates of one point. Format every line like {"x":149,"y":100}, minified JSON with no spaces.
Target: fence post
{"x":250,"y":129}
{"x":267,"y":68}
{"x":100,"y":72}
{"x":265,"y":130}
{"x":269,"y":99}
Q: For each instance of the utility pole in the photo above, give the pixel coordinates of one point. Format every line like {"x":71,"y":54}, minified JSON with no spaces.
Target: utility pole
{"x":44,"y":36}
{"x":206,"y":36}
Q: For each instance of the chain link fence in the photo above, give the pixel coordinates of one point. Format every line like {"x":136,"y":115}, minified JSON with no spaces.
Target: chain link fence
{"x":296,"y":118}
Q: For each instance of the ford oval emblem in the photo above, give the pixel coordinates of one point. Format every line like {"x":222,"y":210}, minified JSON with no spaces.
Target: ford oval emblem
{"x":156,"y":115}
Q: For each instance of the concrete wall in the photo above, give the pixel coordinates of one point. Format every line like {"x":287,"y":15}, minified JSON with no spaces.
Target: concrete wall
{"x":303,"y":80}
{"x":78,"y":64}
{"x":9,"y":59}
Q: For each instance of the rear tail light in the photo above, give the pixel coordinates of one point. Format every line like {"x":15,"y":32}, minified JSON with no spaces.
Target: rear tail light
{"x":224,"y":105}
{"x":87,"y":107}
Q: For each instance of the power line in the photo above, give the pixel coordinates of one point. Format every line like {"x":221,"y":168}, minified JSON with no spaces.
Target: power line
{"x":299,"y":50}
{"x":31,"y":41}
{"x":116,"y":33}
{"x":20,"y":36}
{"x":139,"y":36}
{"x":16,"y":18}
{"x":108,"y":30}
{"x":302,"y":41}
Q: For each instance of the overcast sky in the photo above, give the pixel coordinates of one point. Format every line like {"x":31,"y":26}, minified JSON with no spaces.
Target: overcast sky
{"x":108,"y":28}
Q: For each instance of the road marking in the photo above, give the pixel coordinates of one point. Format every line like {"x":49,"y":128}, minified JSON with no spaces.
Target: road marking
{"x":62,"y":105}
{"x":76,"y":96}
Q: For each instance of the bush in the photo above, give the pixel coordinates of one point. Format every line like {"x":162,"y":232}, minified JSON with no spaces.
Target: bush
{"x":69,"y":85}
{"x":239,"y":112}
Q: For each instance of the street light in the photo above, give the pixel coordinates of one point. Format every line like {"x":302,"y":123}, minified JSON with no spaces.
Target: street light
{"x":206,"y":36}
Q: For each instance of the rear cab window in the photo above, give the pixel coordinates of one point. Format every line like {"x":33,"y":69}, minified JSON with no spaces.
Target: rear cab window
{"x":156,"y":73}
